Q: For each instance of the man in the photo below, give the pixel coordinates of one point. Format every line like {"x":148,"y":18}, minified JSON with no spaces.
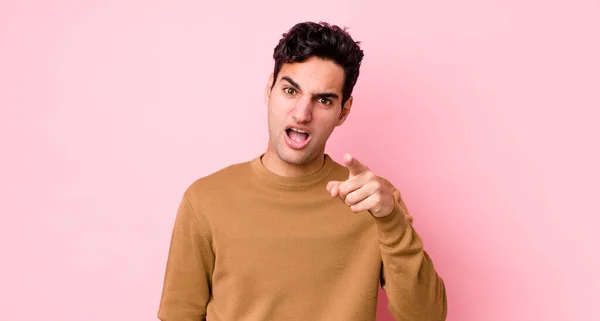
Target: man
{"x":291,"y":234}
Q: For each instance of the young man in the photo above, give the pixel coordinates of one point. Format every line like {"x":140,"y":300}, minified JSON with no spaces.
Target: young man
{"x":291,"y":234}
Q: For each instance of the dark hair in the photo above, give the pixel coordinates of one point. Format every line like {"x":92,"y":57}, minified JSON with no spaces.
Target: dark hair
{"x":330,"y":42}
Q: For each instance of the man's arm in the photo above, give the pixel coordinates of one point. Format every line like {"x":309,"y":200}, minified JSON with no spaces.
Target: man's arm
{"x":414,"y":289}
{"x":187,"y":282}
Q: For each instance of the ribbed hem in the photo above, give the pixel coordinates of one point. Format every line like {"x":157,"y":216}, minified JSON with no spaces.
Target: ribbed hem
{"x":393,"y":226}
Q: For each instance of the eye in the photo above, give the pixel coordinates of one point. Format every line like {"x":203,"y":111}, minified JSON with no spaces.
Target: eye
{"x":325,"y":101}
{"x":289,"y":90}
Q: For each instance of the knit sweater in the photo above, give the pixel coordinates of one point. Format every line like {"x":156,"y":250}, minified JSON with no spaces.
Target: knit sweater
{"x":248,"y":244}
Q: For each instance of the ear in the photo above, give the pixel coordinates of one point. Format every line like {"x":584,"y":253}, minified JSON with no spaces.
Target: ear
{"x":345,"y":111}
{"x":268,"y":89}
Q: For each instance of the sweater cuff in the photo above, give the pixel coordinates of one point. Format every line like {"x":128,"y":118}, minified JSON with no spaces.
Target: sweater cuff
{"x":393,"y":225}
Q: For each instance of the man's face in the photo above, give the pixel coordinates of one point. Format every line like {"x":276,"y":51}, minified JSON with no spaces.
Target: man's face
{"x":304,"y":106}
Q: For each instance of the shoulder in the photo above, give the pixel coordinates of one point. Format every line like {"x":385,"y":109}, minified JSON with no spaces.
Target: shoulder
{"x":218,"y":183}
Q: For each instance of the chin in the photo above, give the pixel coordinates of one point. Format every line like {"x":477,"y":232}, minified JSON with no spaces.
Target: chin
{"x":295,"y":157}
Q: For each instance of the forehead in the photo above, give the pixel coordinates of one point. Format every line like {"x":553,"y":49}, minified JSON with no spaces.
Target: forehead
{"x":315,"y":75}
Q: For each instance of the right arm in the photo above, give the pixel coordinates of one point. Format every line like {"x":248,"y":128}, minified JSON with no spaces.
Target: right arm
{"x":187,"y":283}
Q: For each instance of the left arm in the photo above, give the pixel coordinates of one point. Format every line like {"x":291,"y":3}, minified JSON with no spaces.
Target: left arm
{"x":415,"y":291}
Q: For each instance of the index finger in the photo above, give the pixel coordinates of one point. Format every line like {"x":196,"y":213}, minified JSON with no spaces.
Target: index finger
{"x":353,"y":165}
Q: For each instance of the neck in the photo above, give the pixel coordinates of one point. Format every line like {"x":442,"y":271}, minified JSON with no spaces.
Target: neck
{"x":278,"y":166}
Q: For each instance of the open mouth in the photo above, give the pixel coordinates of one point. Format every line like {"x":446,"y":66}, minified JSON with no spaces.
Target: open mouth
{"x":297,"y":138}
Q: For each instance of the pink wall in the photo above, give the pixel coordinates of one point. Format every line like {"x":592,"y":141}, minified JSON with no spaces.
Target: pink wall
{"x":484,"y":113}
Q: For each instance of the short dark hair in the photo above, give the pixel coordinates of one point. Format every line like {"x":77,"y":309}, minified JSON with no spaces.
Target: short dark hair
{"x":325,"y":41}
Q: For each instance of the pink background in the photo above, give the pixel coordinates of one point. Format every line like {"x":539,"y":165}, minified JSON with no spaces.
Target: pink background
{"x":484,"y":113}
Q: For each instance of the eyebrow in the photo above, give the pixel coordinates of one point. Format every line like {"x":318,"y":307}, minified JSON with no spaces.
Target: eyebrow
{"x":291,"y":81}
{"x":317,"y":96}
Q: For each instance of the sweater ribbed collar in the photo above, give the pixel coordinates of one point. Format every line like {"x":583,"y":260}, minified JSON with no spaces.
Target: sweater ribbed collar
{"x":292,"y":182}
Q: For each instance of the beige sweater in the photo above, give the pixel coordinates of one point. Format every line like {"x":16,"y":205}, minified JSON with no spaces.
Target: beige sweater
{"x":251,"y":245}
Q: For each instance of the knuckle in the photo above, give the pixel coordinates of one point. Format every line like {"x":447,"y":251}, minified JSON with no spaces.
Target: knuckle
{"x":349,"y":199}
{"x":370,"y":175}
{"x":342,"y":188}
{"x":343,"y":194}
{"x":377,"y":198}
{"x":377,"y":184}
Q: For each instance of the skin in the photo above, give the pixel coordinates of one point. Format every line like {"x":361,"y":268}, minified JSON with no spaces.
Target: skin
{"x":309,"y":95}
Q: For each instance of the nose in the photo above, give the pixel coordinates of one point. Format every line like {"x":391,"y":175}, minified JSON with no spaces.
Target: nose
{"x":303,"y":110}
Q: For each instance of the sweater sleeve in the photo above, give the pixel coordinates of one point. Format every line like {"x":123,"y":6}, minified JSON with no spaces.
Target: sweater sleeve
{"x":190,"y":263}
{"x":414,"y":289}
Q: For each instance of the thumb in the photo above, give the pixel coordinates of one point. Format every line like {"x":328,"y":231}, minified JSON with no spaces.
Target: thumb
{"x":333,"y":187}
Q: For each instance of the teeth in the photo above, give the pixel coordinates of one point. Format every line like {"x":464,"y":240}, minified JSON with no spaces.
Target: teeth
{"x":298,"y":130}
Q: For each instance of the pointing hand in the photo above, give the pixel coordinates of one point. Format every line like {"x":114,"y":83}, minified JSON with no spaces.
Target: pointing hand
{"x":363,"y":190}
